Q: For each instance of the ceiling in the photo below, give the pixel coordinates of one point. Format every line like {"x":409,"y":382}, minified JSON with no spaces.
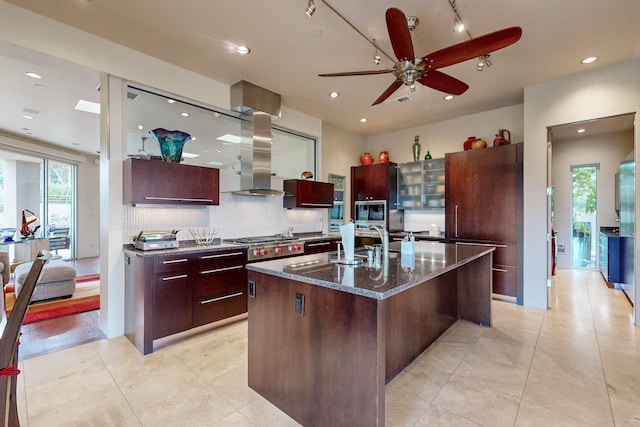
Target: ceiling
{"x":289,"y":50}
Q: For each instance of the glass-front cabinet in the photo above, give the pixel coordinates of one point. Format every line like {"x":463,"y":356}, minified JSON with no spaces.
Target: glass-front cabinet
{"x":421,"y":185}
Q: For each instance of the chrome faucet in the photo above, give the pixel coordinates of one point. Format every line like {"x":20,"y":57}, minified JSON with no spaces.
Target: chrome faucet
{"x":384,"y":236}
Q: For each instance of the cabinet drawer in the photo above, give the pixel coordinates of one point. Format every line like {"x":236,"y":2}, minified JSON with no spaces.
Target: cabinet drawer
{"x":318,"y":246}
{"x":175,"y":262}
{"x":505,"y":280}
{"x":212,"y":309}
{"x":217,"y":260}
{"x":219,"y":281}
{"x":505,"y":253}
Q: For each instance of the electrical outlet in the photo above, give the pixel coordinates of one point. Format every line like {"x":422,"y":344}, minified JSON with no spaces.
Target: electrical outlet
{"x":299,"y":304}
{"x":561,"y":247}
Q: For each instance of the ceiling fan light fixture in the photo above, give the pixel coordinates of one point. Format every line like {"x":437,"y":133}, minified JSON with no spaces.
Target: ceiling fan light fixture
{"x":483,"y":62}
{"x":311,"y":8}
{"x":376,"y":54}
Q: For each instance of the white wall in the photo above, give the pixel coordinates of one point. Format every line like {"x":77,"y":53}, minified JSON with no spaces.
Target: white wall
{"x":599,"y":93}
{"x":607,"y":151}
{"x":448,"y":136}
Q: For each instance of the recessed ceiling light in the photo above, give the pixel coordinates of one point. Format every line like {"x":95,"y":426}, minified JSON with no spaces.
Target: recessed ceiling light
{"x":243,"y":50}
{"x":581,"y":130}
{"x":75,"y":143}
{"x":183,"y":114}
{"x":334,"y":94}
{"x":33,"y":75}
{"x":448,"y":97}
{"x":140,"y":127}
{"x":39,"y":86}
{"x":589,"y":60}
{"x":171,"y":101}
{"x":27,"y":117}
{"x":88,"y":106}
{"x":230,"y":138}
{"x":193,"y":138}
{"x":30,"y":111}
{"x":214,"y":163}
{"x":189,"y":155}
{"x":363,"y":120}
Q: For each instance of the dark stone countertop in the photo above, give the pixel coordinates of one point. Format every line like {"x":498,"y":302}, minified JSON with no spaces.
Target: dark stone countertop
{"x":430,"y":259}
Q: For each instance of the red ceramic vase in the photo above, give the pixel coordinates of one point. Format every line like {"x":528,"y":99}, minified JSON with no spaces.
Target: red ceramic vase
{"x":383,"y":157}
{"x":366,"y":159}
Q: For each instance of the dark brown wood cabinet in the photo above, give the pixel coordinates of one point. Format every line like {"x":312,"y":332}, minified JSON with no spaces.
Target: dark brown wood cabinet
{"x":375,"y":182}
{"x":484,"y":201}
{"x":219,"y":286}
{"x":300,"y":193}
{"x":167,"y":294}
{"x":159,"y":182}
{"x":321,"y":245}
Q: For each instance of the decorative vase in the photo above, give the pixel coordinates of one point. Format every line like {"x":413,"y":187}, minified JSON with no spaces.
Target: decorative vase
{"x":383,"y":157}
{"x":427,"y":156}
{"x":366,"y":159}
{"x":171,"y":143}
{"x":473,"y":142}
{"x":416,"y":149}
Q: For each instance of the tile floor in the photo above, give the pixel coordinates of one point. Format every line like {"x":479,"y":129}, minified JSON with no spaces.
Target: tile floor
{"x":575,"y":365}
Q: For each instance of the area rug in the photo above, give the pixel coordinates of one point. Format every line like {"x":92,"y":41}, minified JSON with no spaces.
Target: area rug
{"x":85,"y":298}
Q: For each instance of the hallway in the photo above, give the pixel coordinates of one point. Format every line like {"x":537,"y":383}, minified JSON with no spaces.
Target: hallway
{"x":575,"y":365}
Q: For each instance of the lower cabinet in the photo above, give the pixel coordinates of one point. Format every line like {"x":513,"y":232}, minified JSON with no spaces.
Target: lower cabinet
{"x":219,"y":286}
{"x":612,"y":257}
{"x":167,"y":294}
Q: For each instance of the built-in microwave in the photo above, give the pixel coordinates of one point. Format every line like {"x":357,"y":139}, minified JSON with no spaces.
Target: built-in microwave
{"x":369,"y":213}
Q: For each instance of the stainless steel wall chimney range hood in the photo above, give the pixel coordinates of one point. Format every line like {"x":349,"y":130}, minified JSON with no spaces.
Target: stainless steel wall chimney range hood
{"x":256,"y":106}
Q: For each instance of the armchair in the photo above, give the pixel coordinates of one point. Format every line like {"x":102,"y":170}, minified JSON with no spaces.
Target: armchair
{"x":5,"y":268}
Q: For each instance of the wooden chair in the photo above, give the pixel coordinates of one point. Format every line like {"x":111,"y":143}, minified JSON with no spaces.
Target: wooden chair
{"x":9,"y":344}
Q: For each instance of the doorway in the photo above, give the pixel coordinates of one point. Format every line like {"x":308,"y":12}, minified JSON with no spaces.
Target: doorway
{"x":584,"y":216}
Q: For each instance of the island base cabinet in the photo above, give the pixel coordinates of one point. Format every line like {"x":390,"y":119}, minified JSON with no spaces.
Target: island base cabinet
{"x":319,"y":367}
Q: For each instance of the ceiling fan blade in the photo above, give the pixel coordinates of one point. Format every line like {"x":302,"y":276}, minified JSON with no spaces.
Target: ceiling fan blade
{"x":473,"y":48}
{"x":387,"y":93}
{"x":356,"y":73}
{"x":400,"y":35}
{"x":443,"y":82}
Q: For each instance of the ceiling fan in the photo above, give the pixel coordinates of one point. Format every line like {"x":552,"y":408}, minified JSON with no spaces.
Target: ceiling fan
{"x":424,"y":70}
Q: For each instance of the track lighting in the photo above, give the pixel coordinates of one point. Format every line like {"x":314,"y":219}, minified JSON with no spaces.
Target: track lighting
{"x":376,"y":55}
{"x":311,"y":8}
{"x":458,"y":25}
{"x":483,"y":62}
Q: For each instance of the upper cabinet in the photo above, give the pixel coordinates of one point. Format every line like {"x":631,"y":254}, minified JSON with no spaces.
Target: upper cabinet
{"x":421,"y":185}
{"x":159,"y":182}
{"x":300,"y":193}
{"x":375,"y":182}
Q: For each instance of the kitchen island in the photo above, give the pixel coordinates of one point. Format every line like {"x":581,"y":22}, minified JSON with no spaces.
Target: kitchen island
{"x":325,"y":338}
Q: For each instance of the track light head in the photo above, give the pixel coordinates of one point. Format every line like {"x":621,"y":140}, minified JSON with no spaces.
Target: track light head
{"x":483,"y":62}
{"x":311,"y":8}
{"x":458,"y":26}
{"x":412,"y":22}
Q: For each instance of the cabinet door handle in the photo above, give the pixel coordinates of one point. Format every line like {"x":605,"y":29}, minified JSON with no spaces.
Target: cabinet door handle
{"x":311,"y":245}
{"x":173,"y":261}
{"x":217,"y":270}
{"x":482,"y":244}
{"x":317,"y":205}
{"x":180,"y":276}
{"x":221,"y":298}
{"x":500,"y":270}
{"x":456,"y":221}
{"x":176,"y":199}
{"x":221,"y":256}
